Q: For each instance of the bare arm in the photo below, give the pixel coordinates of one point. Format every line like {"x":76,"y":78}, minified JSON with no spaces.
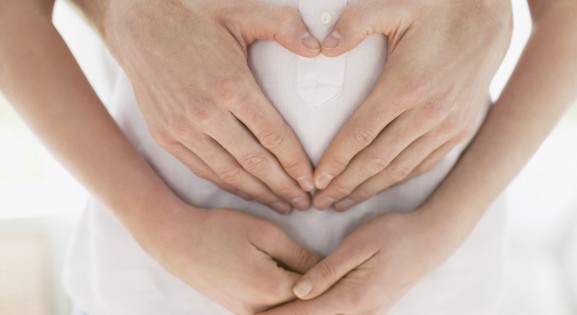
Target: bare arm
{"x":40,"y":77}
{"x":391,"y":253}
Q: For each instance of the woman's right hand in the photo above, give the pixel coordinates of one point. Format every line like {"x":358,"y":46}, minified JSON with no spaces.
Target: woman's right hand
{"x":241,"y":262}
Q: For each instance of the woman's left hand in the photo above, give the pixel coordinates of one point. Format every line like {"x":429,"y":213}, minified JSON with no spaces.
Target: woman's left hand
{"x":374,"y":266}
{"x":441,"y":58}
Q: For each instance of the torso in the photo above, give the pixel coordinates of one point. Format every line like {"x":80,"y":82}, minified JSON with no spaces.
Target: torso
{"x":109,"y":273}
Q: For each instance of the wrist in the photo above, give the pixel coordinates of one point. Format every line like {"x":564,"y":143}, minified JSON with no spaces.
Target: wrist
{"x":163,"y":222}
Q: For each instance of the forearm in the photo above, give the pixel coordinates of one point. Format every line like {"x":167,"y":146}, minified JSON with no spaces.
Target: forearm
{"x":537,"y":95}
{"x":46,"y":86}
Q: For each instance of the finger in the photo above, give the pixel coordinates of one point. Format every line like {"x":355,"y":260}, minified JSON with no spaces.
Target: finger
{"x":231,"y":173}
{"x":381,"y":107}
{"x":283,"y":24}
{"x":362,"y":19}
{"x":255,"y":159}
{"x":272,"y":282}
{"x":287,"y":251}
{"x":200,"y":169}
{"x":330,"y":270}
{"x":258,"y":161}
{"x":322,"y":306}
{"x":337,"y":301}
{"x":397,"y":171}
{"x":265,"y":123}
{"x":375,"y":158}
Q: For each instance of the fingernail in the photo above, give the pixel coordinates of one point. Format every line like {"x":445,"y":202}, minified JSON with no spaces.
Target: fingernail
{"x":332,"y":41}
{"x":306,"y":183}
{"x":323,"y":181}
{"x":344,"y":204}
{"x":300,"y":203}
{"x":281,"y":207}
{"x":323,"y":202}
{"x":310,"y":43}
{"x":303,"y":288}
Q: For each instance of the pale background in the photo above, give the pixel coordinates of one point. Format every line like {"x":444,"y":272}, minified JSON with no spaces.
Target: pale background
{"x":39,"y":203}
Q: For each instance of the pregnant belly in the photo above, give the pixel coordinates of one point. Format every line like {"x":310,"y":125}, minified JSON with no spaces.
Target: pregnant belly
{"x":316,"y":96}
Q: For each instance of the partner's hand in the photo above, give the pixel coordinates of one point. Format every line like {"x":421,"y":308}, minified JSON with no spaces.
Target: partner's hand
{"x":442,"y":56}
{"x":187,"y":63}
{"x":233,"y":258}
{"x":374,"y":266}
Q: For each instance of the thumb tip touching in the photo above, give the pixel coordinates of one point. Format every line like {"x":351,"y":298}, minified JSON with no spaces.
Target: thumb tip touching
{"x":332,"y":41}
{"x":310,"y":43}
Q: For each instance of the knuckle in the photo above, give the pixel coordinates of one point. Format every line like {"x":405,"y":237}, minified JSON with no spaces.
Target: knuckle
{"x":283,"y":190}
{"x":342,"y":190}
{"x":291,"y":163}
{"x":270,"y":139}
{"x":361,"y":194}
{"x":414,"y":90}
{"x":339,"y":161}
{"x":254,"y":163}
{"x":192,"y":110}
{"x":463,"y":134}
{"x":375,"y":164}
{"x":327,"y":271}
{"x":180,"y":129}
{"x":200,"y":115}
{"x":230,"y":176}
{"x":423,"y":168}
{"x":361,"y":137}
{"x":351,"y":16}
{"x":398,"y":172}
{"x":230,"y":91}
{"x":162,"y":137}
{"x":452,"y":125}
{"x":433,"y":112}
{"x":200,"y":171}
{"x":287,"y":18}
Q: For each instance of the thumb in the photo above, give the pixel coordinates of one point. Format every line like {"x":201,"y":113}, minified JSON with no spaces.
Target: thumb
{"x":360,"y":20}
{"x":288,"y":252}
{"x":329,"y":271}
{"x":280,"y":23}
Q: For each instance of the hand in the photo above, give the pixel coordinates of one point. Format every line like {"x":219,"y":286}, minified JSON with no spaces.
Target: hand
{"x":375,"y":266}
{"x":233,"y":258}
{"x":187,"y":63}
{"x":442,"y":56}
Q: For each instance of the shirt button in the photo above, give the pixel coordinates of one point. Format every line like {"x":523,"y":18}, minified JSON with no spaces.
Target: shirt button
{"x":326,"y":18}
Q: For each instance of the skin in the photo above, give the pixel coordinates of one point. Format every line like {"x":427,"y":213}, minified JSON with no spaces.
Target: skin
{"x":385,"y":257}
{"x":441,"y":59}
{"x":436,"y":78}
{"x":197,"y":94}
{"x":70,"y":119}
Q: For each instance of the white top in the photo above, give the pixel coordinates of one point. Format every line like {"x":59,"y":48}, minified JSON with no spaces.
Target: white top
{"x":108,"y":273}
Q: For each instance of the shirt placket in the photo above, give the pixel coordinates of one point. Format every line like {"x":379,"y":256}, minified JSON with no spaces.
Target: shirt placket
{"x":320,"y":79}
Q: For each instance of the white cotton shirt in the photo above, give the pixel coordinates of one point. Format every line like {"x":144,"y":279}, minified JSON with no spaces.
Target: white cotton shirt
{"x":108,"y":273}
